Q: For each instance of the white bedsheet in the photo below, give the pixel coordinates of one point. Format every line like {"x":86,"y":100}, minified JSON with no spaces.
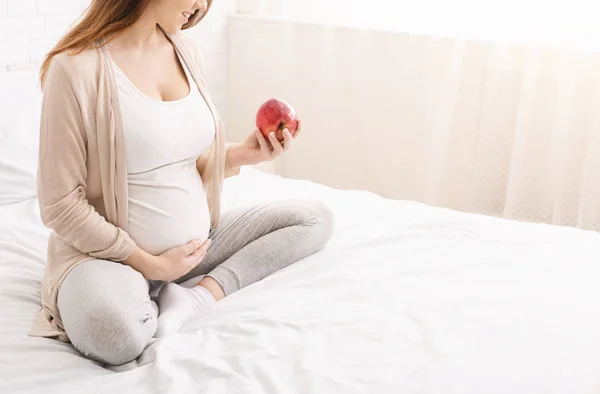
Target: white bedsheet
{"x":406,"y":299}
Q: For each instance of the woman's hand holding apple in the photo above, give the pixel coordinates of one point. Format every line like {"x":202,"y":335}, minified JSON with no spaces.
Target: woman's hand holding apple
{"x":277,"y":127}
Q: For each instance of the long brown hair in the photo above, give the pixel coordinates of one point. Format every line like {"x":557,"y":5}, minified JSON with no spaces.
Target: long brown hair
{"x":105,"y":19}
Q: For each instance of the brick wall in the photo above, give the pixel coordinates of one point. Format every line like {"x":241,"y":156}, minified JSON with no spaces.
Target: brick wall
{"x":30,"y":28}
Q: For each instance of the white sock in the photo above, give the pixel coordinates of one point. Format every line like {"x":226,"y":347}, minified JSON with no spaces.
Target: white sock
{"x":177,"y":305}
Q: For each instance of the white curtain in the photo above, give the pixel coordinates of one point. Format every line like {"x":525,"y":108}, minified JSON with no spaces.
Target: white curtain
{"x":479,"y":126}
{"x":572,"y":23}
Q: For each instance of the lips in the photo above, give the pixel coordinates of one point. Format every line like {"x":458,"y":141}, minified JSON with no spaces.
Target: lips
{"x":187,"y":15}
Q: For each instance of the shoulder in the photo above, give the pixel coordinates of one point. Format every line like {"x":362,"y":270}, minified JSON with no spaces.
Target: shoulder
{"x":79,"y":69}
{"x":78,"y":65}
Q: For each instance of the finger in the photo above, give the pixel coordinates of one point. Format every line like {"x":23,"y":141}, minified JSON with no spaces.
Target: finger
{"x":275,"y":142}
{"x":191,"y":247}
{"x":298,"y":128}
{"x":197,"y":256}
{"x":287,"y":139}
{"x":264,"y":145}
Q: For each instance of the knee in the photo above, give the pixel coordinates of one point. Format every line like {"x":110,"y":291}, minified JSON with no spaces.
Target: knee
{"x":106,"y":312}
{"x":320,"y":217}
{"x":109,"y":335}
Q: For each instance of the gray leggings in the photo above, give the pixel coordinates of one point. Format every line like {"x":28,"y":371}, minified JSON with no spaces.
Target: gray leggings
{"x":105,"y":306}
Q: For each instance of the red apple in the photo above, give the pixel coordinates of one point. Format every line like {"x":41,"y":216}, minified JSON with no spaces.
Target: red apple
{"x":276,"y":115}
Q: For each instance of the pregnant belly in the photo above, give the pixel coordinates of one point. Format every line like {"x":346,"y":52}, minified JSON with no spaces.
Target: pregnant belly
{"x":167,"y":211}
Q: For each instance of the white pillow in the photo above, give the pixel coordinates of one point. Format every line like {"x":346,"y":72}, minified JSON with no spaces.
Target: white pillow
{"x":20,"y":108}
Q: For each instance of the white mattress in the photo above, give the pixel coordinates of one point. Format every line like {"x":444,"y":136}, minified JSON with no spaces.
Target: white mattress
{"x":406,"y":299}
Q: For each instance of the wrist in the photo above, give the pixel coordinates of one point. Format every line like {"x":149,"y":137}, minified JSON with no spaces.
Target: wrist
{"x":139,"y":260}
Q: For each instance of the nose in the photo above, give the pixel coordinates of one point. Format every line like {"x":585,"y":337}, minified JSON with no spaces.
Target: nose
{"x":201,"y":5}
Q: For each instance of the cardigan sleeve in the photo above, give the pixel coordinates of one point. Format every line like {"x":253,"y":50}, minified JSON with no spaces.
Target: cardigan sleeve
{"x":201,"y":162}
{"x":62,"y":175}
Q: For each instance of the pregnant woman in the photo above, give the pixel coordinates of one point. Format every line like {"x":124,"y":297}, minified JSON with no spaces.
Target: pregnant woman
{"x":131,"y":165}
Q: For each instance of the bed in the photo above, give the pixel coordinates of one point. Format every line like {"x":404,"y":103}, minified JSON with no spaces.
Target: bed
{"x":406,"y":298}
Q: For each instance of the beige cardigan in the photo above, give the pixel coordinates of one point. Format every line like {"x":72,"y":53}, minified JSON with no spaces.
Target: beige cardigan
{"x":82,"y":175}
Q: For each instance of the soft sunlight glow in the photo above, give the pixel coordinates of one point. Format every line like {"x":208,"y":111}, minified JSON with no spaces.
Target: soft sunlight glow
{"x":573,"y":23}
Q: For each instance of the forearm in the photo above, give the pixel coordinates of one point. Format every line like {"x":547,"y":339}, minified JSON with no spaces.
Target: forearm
{"x":237,"y":156}
{"x":231,"y":168}
{"x":139,"y":259}
{"x":81,"y":226}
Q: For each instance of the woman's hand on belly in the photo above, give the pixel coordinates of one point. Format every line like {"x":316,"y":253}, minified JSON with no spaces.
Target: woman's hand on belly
{"x":170,"y":265}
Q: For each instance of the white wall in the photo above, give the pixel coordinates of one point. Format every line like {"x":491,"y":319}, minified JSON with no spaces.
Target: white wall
{"x":211,"y":33}
{"x":30,"y":28}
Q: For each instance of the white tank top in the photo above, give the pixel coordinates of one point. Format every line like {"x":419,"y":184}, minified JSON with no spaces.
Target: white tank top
{"x":167,"y":201}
